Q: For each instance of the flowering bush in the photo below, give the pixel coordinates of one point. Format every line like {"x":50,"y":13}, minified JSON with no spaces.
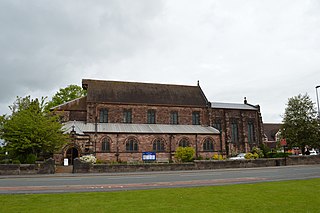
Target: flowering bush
{"x":249,"y":156}
{"x":257,"y":150}
{"x":217,"y":157}
{"x":88,"y":159}
{"x":184,"y":154}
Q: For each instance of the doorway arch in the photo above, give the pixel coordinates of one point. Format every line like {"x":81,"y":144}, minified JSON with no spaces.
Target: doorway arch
{"x":71,"y":154}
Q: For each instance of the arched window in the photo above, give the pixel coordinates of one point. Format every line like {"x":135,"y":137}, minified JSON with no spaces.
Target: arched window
{"x":105,"y":146}
{"x":132,"y":145}
{"x":208,"y":144}
{"x":251,"y":133}
{"x":158,"y":145}
{"x":184,"y":142}
{"x":103,"y":115}
{"x":234,"y":132}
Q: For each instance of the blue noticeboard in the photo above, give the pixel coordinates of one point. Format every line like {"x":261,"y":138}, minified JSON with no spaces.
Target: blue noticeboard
{"x":149,"y":156}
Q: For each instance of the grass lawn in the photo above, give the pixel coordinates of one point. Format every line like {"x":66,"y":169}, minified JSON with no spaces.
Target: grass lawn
{"x":286,"y":196}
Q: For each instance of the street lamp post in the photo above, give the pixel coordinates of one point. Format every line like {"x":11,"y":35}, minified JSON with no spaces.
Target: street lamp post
{"x":318,"y":100}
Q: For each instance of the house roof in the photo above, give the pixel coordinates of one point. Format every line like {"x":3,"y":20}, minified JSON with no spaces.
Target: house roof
{"x":271,"y":129}
{"x":82,"y":128}
{"x":143,"y":93}
{"x":219,"y":105}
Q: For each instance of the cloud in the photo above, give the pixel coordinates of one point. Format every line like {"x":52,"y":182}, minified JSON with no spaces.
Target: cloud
{"x":46,"y":45}
{"x":267,"y":51}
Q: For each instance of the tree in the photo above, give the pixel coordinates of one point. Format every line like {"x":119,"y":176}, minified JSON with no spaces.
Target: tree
{"x":30,"y":130}
{"x":300,"y":125}
{"x":64,"y":95}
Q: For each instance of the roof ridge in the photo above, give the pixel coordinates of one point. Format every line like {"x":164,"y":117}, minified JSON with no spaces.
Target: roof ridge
{"x":137,"y":82}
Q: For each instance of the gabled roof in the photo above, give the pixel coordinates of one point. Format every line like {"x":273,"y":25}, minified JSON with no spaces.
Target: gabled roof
{"x":219,"y":105}
{"x":79,"y":104}
{"x":271,"y":129}
{"x":143,"y":93}
{"x":82,"y":127}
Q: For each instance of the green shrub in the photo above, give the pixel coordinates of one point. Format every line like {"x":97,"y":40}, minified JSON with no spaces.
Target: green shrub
{"x":278,"y":154}
{"x":265,"y":149}
{"x":199,"y":158}
{"x":184,"y":154}
{"x":100,"y":161}
{"x":16,"y":161}
{"x":31,"y":159}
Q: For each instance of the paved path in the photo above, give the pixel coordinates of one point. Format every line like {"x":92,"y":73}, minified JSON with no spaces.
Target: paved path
{"x":59,"y":183}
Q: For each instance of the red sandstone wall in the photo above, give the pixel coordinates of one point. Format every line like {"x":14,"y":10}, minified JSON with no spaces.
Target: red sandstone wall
{"x":139,"y":113}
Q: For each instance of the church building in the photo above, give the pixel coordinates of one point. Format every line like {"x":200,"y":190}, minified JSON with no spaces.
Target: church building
{"x":121,"y":121}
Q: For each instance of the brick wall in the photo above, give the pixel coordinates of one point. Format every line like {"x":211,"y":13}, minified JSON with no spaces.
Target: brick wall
{"x":145,"y":144}
{"x":139,"y":113}
{"x":242,"y":118}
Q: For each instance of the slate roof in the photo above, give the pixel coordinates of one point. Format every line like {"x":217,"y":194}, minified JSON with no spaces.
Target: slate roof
{"x":82,"y":127}
{"x":219,"y":105}
{"x":79,"y":104}
{"x":270,"y":130}
{"x":143,"y":93}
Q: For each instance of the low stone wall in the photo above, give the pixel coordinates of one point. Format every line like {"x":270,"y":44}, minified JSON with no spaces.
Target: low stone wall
{"x":80,"y":167}
{"x":303,"y":160}
{"x":46,"y":167}
{"x":225,"y":164}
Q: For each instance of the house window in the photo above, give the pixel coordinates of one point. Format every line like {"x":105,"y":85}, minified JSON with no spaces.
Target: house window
{"x":103,"y":116}
{"x":158,"y":145}
{"x":184,"y":142}
{"x":234,"y":132}
{"x":195,"y":118}
{"x":250,"y":132}
{"x":174,"y":118}
{"x":127,"y":116}
{"x":132,"y":145}
{"x":105,"y":145}
{"x":217,"y":125}
{"x":208,"y":145}
{"x":151,"y":116}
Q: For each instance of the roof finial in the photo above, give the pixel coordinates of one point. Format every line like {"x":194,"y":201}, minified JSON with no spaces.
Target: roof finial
{"x":73,"y":131}
{"x":245,"y":100}
{"x":198,"y":83}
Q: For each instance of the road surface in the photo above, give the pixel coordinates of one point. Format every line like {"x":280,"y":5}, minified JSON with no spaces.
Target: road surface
{"x":60,"y":183}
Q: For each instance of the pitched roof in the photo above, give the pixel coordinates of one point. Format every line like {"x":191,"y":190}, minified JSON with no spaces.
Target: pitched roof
{"x":143,"y":93}
{"x":79,"y":104}
{"x":271,"y":129}
{"x":219,"y":105}
{"x":82,"y":127}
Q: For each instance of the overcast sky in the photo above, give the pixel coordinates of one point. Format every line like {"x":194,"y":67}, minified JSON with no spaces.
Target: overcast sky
{"x":267,"y":51}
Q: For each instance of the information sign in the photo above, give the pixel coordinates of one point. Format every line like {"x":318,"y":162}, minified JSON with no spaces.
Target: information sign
{"x":149,"y":156}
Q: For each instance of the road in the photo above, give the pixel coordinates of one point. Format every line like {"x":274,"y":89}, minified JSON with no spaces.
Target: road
{"x":61,"y":183}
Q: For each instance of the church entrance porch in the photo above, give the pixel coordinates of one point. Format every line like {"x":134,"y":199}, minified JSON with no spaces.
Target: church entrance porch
{"x":71,"y":154}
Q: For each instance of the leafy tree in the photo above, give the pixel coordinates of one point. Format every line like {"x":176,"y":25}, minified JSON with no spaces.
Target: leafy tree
{"x":30,"y":130}
{"x":300,"y":124}
{"x":2,"y":120}
{"x":184,"y":154}
{"x":64,"y":95}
